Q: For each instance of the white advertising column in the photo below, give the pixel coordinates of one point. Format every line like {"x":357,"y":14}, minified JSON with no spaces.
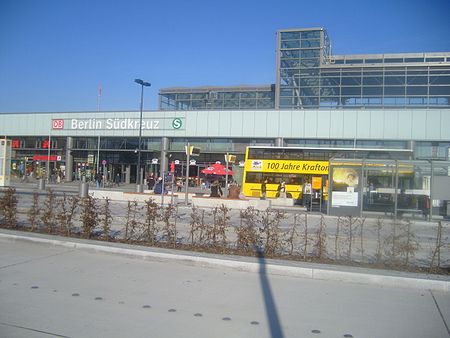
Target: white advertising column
{"x":5,"y":162}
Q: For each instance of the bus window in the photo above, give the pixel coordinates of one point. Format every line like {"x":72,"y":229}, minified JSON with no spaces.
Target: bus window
{"x":270,"y":179}
{"x":256,"y":153}
{"x":294,"y":179}
{"x":277,"y":178}
{"x":294,"y":154}
{"x":253,"y":178}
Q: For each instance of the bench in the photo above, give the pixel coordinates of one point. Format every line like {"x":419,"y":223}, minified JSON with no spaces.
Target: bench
{"x":413,"y":212}
{"x":200,"y":194}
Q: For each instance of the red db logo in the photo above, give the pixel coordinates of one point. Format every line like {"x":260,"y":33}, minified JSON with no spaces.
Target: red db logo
{"x":57,"y":124}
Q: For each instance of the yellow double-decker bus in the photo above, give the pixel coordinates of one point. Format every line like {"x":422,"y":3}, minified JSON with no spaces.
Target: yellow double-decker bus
{"x":300,"y":168}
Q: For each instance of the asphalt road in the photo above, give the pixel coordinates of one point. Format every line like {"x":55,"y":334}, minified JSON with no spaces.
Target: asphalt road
{"x":51,"y":291}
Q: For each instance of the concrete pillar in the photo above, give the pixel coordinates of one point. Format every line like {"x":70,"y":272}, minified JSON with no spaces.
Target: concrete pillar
{"x":41,"y":184}
{"x":164,"y":154}
{"x":84,"y":189}
{"x":69,"y":159}
{"x":127,"y":174}
{"x":412,"y":145}
{"x":279,"y":142}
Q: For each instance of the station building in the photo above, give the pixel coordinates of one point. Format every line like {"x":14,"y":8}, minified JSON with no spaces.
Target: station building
{"x":388,"y":101}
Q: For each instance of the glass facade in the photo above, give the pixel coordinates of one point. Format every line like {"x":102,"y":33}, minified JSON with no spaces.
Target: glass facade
{"x":221,"y":145}
{"x":310,"y":77}
{"x":402,"y":189}
{"x":330,"y":143}
{"x":215,"y":98}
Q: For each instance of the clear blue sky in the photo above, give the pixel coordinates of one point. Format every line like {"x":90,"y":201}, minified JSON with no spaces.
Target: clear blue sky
{"x":55,"y":53}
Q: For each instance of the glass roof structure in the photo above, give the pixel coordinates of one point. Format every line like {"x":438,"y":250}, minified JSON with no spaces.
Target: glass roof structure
{"x":217,"y":98}
{"x":309,"y":76}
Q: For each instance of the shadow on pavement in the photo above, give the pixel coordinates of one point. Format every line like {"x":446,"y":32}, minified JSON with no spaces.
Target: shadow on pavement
{"x":269,"y":302}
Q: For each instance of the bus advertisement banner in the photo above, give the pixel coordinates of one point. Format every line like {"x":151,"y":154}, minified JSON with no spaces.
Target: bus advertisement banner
{"x":288,"y":166}
{"x":316,"y":182}
{"x":345,"y":191}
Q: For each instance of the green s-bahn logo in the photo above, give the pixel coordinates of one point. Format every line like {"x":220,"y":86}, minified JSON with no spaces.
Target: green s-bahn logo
{"x":177,"y":123}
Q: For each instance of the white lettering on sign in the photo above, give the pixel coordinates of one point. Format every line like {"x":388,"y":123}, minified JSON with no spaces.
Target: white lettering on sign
{"x":86,"y":124}
{"x":114,"y":124}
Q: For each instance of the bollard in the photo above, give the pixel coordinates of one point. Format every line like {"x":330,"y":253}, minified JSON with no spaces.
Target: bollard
{"x":139,"y":188}
{"x":41,"y":184}
{"x":84,"y":189}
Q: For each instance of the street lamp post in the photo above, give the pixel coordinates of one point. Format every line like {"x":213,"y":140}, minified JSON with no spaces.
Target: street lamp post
{"x":139,"y":187}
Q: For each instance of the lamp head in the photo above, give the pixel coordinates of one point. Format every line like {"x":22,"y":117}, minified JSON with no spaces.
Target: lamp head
{"x":142,"y":83}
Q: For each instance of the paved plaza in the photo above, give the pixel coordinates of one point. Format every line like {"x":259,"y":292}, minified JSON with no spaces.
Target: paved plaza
{"x":50,"y":290}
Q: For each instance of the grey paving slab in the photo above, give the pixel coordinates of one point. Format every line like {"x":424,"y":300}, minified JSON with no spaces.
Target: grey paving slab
{"x":76,"y":293}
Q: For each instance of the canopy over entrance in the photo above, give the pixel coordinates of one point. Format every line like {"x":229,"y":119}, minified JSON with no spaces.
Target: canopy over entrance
{"x":217,"y":169}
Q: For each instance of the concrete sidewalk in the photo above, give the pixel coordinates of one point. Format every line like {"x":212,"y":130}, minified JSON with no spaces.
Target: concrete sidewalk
{"x":251,"y":264}
{"x":125,"y":192}
{"x":74,"y":187}
{"x":32,"y":183}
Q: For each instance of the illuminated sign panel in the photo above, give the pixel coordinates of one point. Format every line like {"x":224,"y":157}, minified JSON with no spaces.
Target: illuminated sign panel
{"x":118,"y":124}
{"x":15,"y":143}
{"x":46,"y":158}
{"x":58,"y":124}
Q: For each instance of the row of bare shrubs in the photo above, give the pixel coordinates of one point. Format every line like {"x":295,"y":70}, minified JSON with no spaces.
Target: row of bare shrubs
{"x":266,"y":231}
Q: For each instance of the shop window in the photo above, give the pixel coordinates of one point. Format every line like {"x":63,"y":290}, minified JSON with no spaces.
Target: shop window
{"x":45,"y":143}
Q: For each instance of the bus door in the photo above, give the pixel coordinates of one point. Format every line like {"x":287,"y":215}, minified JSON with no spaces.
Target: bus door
{"x":319,"y":185}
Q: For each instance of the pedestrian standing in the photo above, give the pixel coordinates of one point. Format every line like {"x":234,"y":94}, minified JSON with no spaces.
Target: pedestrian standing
{"x":282,"y":190}
{"x":159,"y":187}
{"x":98,"y":179}
{"x":307,"y":194}
{"x":216,"y":190}
{"x":150,"y":181}
{"x":263,"y":189}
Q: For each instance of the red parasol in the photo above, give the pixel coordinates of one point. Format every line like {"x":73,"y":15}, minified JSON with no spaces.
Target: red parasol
{"x":217,"y":169}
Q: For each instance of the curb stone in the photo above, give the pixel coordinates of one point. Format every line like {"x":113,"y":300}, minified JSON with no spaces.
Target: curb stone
{"x":249,"y":264}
